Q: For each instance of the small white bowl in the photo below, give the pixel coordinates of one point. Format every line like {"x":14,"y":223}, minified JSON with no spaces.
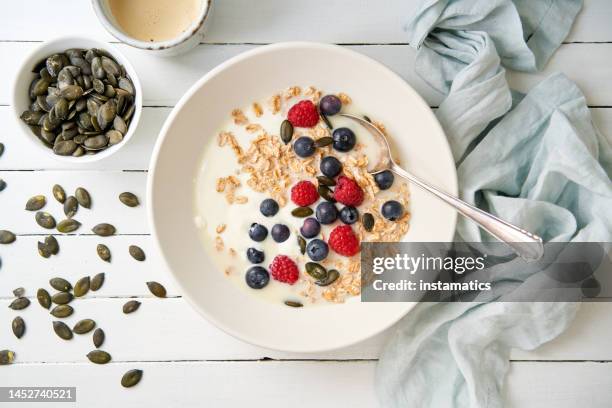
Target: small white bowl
{"x":181,"y":44}
{"x":21,"y":100}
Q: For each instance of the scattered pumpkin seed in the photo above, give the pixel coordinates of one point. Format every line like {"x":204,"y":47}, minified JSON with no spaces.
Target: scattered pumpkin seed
{"x":82,"y":286}
{"x":97,"y":282}
{"x":368,"y":221}
{"x":286,"y":131}
{"x":137,"y":253}
{"x":331,"y":277}
{"x":326,"y":193}
{"x":129,"y":199}
{"x":7,"y":237}
{"x":52,"y":244}
{"x":98,"y":337}
{"x":71,"y":206}
{"x":83,"y":197}
{"x":59,"y":193}
{"x":103,"y":252}
{"x":326,"y":181}
{"x":18,"y":292}
{"x":324,"y":141}
{"x":131,"y":378}
{"x":20,"y":303}
{"x":84,"y":326}
{"x":43,"y":250}
{"x":62,"y":298}
{"x":301,"y":212}
{"x":291,"y":303}
{"x":45,"y":220}
{"x":62,"y":311}
{"x":327,"y":122}
{"x":99,"y":357}
{"x":36,"y":203}
{"x":131,"y":306}
{"x":157,"y":289}
{"x":18,"y":327}
{"x":43,"y":297}
{"x":1,"y":149}
{"x":2,"y":185}
{"x":302,"y":244}
{"x":103,"y":230}
{"x":68,"y":225}
{"x":6,"y":356}
{"x":62,"y":330}
{"x":60,"y":284}
{"x":316,"y":270}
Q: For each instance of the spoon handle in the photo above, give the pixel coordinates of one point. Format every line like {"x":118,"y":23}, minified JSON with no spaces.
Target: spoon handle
{"x":527,"y":245}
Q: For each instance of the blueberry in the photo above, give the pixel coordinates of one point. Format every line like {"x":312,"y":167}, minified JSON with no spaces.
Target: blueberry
{"x":330,"y":166}
{"x":280,"y":232}
{"x":330,"y":105}
{"x":384,"y":179}
{"x":268,"y":207}
{"x":304,"y":146}
{"x":255,"y":256}
{"x":257,"y":277}
{"x":392,"y":210}
{"x":310,"y":228}
{"x":258,"y":232}
{"x":326,"y":212}
{"x":317,"y":250}
{"x":349,"y":215}
{"x":344,"y":139}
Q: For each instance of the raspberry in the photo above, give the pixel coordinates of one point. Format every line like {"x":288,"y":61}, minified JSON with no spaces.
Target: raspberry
{"x":304,"y":193}
{"x":283,"y":269}
{"x":303,"y":114}
{"x":343,"y":241}
{"x":348,"y":192}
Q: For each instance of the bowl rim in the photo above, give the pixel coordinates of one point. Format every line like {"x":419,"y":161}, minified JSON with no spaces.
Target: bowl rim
{"x":192,"y":30}
{"x":152,"y":175}
{"x":26,"y":67}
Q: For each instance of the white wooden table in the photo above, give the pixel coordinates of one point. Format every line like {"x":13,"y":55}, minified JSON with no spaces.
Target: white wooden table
{"x":187,"y":361}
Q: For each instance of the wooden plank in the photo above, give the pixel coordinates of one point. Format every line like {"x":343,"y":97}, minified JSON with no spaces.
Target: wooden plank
{"x":300,"y":384}
{"x":244,"y":21}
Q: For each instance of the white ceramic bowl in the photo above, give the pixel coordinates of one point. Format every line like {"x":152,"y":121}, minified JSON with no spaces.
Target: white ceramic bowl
{"x":21,"y":101}
{"x":252,"y":76}
{"x":183,"y":43}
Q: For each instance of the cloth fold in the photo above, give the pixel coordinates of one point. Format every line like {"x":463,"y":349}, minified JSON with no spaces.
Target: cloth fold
{"x":535,"y":160}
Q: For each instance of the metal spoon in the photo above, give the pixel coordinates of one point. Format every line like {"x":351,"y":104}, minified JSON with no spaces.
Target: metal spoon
{"x":527,"y":245}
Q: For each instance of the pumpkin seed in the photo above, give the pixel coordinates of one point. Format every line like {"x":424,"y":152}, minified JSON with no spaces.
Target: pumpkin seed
{"x":60,"y":284}
{"x":368,"y":221}
{"x":45,"y":220}
{"x":97,"y":282}
{"x":331,"y":277}
{"x":82,"y":286}
{"x":131,"y":306}
{"x":1,"y":149}
{"x":103,"y":230}
{"x":301,"y":212}
{"x":367,"y":118}
{"x":62,"y":298}
{"x":2,"y":185}
{"x":18,"y":292}
{"x":71,"y":206}
{"x":99,"y":357}
{"x":62,"y":311}
{"x":36,"y":203}
{"x":43,"y":297}
{"x":44,"y":250}
{"x":131,"y":378}
{"x":286,"y":131}
{"x":291,"y":303}
{"x":137,"y":253}
{"x":52,"y":244}
{"x":302,"y":244}
{"x":326,"y":181}
{"x":327,"y":122}
{"x":68,"y":225}
{"x":7,"y":237}
{"x":98,"y":337}
{"x":326,"y":193}
{"x":83,"y":197}
{"x":324,"y":141}
{"x":59,"y":194}
{"x":103,"y":252}
{"x":315,"y":270}
{"x":62,"y":330}
{"x":20,"y":303}
{"x":129,"y":199}
{"x":84,"y":326}
{"x":64,"y":147}
{"x":157,"y":289}
{"x":7,"y":357}
{"x":18,"y":327}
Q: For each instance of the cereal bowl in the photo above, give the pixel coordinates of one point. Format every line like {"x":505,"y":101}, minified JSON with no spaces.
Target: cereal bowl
{"x":419,"y":143}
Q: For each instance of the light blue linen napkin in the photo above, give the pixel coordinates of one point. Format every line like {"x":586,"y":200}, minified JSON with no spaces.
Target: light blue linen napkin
{"x":535,"y":160}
